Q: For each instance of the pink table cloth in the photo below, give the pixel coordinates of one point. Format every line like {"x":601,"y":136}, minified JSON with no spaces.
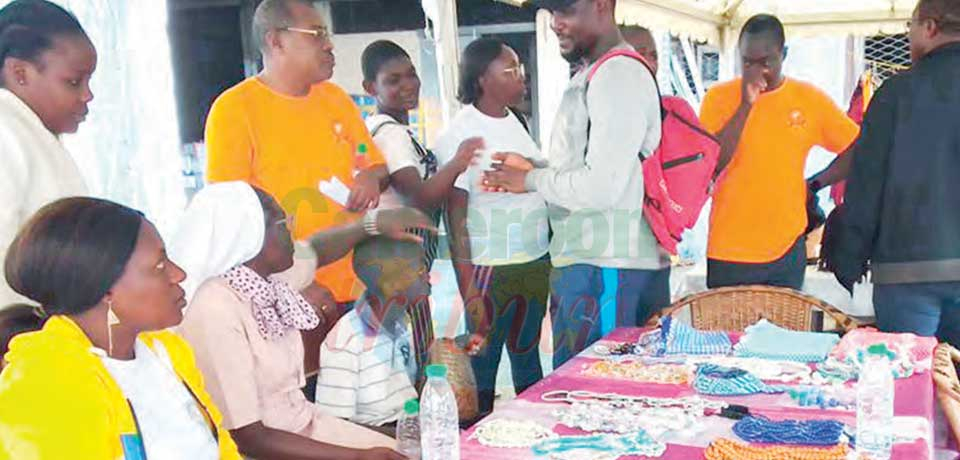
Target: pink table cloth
{"x":914,"y":404}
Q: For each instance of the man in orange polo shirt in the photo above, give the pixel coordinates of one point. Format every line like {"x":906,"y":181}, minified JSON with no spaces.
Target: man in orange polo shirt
{"x":767,"y":124}
{"x":288,"y":129}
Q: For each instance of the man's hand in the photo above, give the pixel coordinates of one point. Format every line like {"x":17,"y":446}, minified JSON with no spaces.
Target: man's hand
{"x":944,"y":374}
{"x":397,"y":223}
{"x":514,"y":160}
{"x":511,"y":159}
{"x":365,"y":193}
{"x":506,"y":177}
{"x":381,"y":453}
{"x":753,"y":85}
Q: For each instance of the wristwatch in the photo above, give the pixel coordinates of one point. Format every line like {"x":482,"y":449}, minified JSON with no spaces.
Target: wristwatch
{"x":370,"y":222}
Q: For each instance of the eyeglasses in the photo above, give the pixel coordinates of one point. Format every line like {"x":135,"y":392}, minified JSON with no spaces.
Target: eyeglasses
{"x":288,"y":222}
{"x":321,"y":33}
{"x":942,"y":23}
{"x":519,"y":72}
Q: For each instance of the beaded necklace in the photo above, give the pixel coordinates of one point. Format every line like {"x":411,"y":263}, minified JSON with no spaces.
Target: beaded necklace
{"x":757,"y":429}
{"x":615,"y":413}
{"x":639,"y":443}
{"x":624,"y":418}
{"x":726,"y":449}
{"x":764,"y":369}
{"x":506,"y":433}
{"x":694,"y":404}
{"x":637,"y":371}
{"x":727,"y":381}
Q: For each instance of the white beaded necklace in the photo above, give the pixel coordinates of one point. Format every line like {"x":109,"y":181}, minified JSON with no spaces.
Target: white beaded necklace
{"x":615,"y":413}
{"x":511,"y":434}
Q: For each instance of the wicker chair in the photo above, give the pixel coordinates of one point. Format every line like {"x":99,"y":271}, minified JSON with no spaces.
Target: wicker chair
{"x":735,"y":308}
{"x":945,"y":359}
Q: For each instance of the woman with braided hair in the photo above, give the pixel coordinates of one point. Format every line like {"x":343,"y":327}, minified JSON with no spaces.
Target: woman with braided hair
{"x":46,"y":60}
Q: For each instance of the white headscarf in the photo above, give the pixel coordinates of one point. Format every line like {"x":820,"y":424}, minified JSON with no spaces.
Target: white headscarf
{"x":223,"y":227}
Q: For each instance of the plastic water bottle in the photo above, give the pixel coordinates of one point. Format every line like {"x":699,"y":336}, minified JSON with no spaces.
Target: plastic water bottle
{"x":439,"y":422}
{"x":875,"y":405}
{"x":408,"y":430}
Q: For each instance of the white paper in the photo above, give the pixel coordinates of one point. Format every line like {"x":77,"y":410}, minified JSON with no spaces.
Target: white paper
{"x":335,"y":190}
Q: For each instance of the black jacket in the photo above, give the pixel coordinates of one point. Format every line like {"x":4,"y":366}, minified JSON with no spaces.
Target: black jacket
{"x":903,"y":196}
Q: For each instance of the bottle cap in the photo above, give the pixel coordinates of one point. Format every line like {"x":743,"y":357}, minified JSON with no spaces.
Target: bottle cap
{"x":437,"y":370}
{"x":411,"y":407}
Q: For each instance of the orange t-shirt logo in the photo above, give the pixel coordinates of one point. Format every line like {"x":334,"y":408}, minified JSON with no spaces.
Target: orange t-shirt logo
{"x":797,"y":120}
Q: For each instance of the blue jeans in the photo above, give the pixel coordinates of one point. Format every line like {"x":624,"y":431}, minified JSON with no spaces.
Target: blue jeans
{"x":511,"y":300}
{"x":927,"y":309}
{"x":575,"y":293}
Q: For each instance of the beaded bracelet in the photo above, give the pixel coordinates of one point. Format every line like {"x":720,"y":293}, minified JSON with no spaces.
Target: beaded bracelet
{"x":726,"y":449}
{"x":507,"y":434}
{"x":831,"y":397}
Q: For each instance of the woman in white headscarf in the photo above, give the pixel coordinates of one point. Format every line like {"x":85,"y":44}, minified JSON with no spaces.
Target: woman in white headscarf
{"x":245,"y":314}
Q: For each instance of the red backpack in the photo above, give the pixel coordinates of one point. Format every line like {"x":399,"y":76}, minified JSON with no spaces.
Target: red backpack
{"x":679,"y":176}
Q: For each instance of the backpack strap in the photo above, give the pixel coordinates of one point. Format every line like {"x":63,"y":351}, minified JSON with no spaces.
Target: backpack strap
{"x":520,"y":118}
{"x":427,"y":158}
{"x":376,"y":129}
{"x":617,"y":52}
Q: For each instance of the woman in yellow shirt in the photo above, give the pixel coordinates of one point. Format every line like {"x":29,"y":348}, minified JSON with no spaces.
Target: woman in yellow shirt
{"x":103,"y":379}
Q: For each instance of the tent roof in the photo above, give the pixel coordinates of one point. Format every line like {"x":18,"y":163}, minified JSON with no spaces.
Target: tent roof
{"x":707,"y":19}
{"x":710,"y":20}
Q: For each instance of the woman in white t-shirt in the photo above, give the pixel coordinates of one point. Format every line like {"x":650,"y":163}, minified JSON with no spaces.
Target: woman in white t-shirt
{"x":415,"y":179}
{"x":505,"y":236}
{"x":46,"y":61}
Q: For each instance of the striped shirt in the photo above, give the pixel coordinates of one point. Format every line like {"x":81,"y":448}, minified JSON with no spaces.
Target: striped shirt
{"x":364,"y":374}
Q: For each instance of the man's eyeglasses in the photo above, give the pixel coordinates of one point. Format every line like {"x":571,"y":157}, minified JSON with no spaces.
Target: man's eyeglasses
{"x":519,"y":72}
{"x":320,"y":33}
{"x":943,"y":24}
{"x":288,"y":222}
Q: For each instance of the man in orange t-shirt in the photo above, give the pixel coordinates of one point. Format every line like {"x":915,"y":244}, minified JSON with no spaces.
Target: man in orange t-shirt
{"x":288,"y":129}
{"x":767,"y":124}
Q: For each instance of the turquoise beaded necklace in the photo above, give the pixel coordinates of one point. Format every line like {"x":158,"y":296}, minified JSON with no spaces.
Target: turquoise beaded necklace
{"x":728,"y":381}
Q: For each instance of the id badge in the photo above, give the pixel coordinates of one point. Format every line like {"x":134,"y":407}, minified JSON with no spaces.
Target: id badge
{"x":133,"y":447}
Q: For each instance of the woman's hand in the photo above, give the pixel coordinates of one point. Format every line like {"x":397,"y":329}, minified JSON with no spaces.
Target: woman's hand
{"x":323,"y":302}
{"x":475,"y":343}
{"x":467,"y":154}
{"x":397,"y":223}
